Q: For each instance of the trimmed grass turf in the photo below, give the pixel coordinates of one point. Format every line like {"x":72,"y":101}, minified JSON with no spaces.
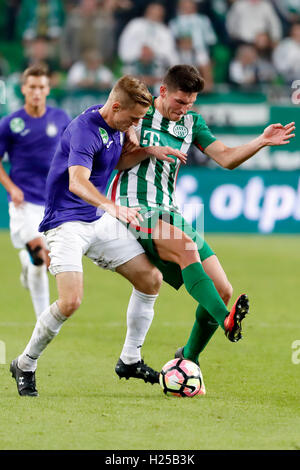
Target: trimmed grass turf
{"x":252,"y":399}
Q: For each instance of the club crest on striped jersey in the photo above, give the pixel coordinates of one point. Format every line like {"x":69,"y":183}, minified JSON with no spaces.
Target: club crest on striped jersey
{"x":104,"y":135}
{"x":150,"y":110}
{"x":180,"y":131}
{"x":17,"y":125}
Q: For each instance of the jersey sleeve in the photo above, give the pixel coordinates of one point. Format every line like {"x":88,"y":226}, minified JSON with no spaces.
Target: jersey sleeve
{"x":203,"y":136}
{"x":84,"y":144}
{"x":4,"y":136}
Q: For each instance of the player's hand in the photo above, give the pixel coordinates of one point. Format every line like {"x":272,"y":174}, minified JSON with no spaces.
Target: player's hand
{"x":131,"y":142}
{"x":277,"y":134}
{"x":131,"y":137}
{"x":165,"y":153}
{"x":129,"y":147}
{"x":125,"y":214}
{"x":17,"y":196}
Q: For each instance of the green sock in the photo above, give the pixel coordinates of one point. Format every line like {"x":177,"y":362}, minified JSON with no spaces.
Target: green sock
{"x":203,"y":329}
{"x":200,"y":286}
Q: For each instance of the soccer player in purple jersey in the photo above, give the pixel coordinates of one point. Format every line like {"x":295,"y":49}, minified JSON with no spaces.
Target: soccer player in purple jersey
{"x":89,"y":150}
{"x":30,"y":137}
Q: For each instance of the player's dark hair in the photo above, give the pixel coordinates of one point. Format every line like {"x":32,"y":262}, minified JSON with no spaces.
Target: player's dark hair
{"x":39,"y":70}
{"x":132,"y":91}
{"x":185,"y":78}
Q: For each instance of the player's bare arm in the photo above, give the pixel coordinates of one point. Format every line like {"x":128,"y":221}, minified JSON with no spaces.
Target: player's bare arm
{"x":80,"y":185}
{"x":230,"y":158}
{"x":132,"y":156}
{"x":16,"y":194}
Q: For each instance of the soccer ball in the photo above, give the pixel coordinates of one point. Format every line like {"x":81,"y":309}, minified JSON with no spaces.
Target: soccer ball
{"x":181,"y":378}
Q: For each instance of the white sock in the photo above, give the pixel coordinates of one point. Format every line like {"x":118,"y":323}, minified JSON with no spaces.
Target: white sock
{"x":24,"y":258}
{"x":47,"y":327}
{"x":140,"y":314}
{"x":38,"y":285}
{"x":25,"y":262}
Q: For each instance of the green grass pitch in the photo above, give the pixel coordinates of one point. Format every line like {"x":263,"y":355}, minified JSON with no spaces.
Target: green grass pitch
{"x":252,"y":399}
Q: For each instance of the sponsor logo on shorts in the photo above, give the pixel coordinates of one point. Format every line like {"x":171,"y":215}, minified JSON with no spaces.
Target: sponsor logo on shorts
{"x":149,"y":214}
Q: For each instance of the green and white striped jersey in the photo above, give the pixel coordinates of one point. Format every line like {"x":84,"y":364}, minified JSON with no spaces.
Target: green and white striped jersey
{"x":152,"y":182}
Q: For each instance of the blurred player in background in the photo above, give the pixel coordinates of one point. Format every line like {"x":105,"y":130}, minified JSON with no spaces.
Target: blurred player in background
{"x":30,"y":137}
{"x":172,"y":244}
{"x":88,"y":152}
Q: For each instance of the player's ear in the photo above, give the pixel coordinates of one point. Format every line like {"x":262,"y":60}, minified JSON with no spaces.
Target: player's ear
{"x":116,"y":106}
{"x":163,"y":91}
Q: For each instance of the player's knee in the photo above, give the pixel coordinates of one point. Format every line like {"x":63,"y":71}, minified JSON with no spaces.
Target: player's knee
{"x":36,"y":254}
{"x":188,"y":251}
{"x":149,"y":281}
{"x":70,"y":305}
{"x":155,"y":280}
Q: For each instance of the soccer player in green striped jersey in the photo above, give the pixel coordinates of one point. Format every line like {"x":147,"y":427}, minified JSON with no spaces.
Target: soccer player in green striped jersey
{"x":171,"y":243}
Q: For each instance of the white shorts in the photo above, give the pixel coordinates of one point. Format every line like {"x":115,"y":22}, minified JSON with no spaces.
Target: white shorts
{"x":24,"y":222}
{"x":106,"y":247}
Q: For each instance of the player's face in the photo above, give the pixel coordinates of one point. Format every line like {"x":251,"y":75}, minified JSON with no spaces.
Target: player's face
{"x":124,"y":118}
{"x":176,"y":103}
{"x":36,"y":90}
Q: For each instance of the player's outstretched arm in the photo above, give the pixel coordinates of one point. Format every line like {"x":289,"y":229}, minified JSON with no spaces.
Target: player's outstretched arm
{"x":80,"y":185}
{"x":230,"y":158}
{"x":16,"y":194}
{"x":136,"y":155}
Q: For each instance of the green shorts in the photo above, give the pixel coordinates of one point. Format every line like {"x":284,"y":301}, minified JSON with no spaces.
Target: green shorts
{"x":171,"y":271}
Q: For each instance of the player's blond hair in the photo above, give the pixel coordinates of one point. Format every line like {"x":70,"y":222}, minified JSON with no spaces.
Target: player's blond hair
{"x":130,"y":91}
{"x":39,"y":70}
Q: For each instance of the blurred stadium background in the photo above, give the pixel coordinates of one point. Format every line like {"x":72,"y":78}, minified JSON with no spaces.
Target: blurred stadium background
{"x":247,"y":50}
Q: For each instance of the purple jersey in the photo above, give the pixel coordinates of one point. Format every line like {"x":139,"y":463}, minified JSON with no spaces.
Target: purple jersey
{"x":90,"y":142}
{"x":30,"y":144}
